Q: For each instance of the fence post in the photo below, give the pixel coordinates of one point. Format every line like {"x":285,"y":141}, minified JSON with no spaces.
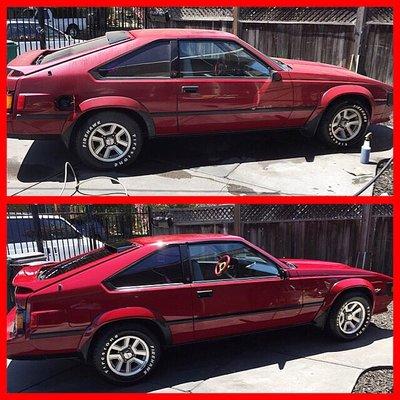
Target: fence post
{"x":42,"y":32}
{"x":365,"y":232}
{"x":235,"y":22}
{"x":237,"y":223}
{"x":150,"y":217}
{"x":36,"y":227}
{"x":360,"y":42}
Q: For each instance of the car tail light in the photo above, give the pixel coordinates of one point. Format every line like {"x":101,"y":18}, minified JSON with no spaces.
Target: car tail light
{"x":20,"y":321}
{"x":9,"y":101}
{"x":20,"y":102}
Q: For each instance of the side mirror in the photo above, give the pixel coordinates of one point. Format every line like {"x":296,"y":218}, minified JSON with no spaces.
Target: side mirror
{"x":276,"y":76}
{"x":283,"y":274}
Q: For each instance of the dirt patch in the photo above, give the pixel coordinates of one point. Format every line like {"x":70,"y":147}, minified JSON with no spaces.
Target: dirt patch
{"x":176,"y":175}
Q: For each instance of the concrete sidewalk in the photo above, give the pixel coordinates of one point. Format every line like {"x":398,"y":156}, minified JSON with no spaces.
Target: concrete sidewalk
{"x":278,"y":163}
{"x":293,"y":360}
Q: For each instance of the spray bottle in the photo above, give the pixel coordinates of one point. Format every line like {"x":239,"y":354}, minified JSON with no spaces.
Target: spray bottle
{"x":366,"y":149}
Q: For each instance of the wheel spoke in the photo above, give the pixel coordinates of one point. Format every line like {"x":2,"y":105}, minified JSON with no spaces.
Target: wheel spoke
{"x":118,"y":150}
{"x":140,"y":353}
{"x":138,"y":360}
{"x":115,"y":357}
{"x":119,"y":365}
{"x":99,"y":148}
{"x":107,"y":152}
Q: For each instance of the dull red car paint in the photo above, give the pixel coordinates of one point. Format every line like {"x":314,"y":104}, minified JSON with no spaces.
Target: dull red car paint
{"x":223,"y":104}
{"x":63,"y":314}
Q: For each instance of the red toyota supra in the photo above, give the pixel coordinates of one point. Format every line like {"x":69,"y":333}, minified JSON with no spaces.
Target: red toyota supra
{"x":118,"y":306}
{"x":104,"y":97}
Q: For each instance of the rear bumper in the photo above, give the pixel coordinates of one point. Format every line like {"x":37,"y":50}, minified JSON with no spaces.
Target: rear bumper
{"x":23,"y":347}
{"x":31,"y":127}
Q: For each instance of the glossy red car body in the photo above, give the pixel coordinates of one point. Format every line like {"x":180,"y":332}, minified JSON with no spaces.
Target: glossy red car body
{"x":222,"y":104}
{"x":64,"y":314}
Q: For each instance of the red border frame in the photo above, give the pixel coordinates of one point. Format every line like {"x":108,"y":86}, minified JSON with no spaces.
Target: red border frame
{"x":195,"y":199}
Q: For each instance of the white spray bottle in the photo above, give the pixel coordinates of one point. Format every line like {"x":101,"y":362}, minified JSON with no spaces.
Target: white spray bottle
{"x":366,"y":149}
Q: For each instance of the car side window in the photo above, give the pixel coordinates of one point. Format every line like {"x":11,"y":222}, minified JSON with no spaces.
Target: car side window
{"x":210,"y":58}
{"x":244,"y":261}
{"x":152,"y":61}
{"x":162,"y":267}
{"x":55,"y":229}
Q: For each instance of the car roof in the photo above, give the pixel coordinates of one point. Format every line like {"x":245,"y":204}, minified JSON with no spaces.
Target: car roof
{"x":174,"y":33}
{"x":183,"y":238}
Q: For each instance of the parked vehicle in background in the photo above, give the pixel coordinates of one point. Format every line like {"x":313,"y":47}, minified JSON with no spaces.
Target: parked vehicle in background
{"x":60,"y":239}
{"x":117,"y":307}
{"x":127,"y":87}
{"x":27,"y":35}
{"x":66,"y":19}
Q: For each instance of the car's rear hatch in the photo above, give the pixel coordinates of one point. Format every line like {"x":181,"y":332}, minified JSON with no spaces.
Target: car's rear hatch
{"x":32,"y":278}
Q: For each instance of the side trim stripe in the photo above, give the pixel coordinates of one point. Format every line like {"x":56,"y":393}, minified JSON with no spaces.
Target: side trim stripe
{"x":291,"y":307}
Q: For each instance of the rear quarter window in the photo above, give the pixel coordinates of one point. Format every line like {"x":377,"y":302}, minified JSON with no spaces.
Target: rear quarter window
{"x":162,"y":267}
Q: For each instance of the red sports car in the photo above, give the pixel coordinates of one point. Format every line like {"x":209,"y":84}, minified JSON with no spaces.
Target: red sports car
{"x":118,"y":306}
{"x":104,"y":97}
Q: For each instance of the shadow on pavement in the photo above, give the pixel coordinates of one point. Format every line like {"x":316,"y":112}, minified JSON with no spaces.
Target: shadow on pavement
{"x":45,"y":159}
{"x":189,"y":364}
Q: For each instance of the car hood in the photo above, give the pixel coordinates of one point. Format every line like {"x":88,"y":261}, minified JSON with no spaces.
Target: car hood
{"x":302,"y":69}
{"x":317,"y":267}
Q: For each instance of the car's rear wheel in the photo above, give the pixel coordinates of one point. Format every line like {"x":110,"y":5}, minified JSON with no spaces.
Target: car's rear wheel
{"x":344,"y":124}
{"x":126,"y":354}
{"x":108,"y":140}
{"x":350,"y":316}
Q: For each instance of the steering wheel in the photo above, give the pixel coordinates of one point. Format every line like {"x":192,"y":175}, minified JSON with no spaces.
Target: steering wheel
{"x":222,"y":265}
{"x":219,"y":68}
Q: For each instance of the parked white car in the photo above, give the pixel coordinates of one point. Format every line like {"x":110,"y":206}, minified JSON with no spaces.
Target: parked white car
{"x":69,"y":22}
{"x":61,"y":240}
{"x":26,"y":35}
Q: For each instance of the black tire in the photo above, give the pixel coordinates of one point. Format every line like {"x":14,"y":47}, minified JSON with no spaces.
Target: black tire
{"x":335,"y":316}
{"x":132,"y":134}
{"x":325,"y":129}
{"x":119,"y":333}
{"x":73,"y":31}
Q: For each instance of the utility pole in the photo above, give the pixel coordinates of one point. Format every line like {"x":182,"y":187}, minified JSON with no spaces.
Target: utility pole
{"x":42,"y":32}
{"x":360,"y":42}
{"x":235,"y":23}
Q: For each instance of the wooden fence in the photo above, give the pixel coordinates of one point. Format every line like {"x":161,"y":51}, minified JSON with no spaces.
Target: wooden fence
{"x":333,"y":42}
{"x":357,"y":235}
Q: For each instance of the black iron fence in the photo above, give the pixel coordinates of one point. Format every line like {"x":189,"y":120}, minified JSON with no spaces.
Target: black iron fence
{"x":35,"y":28}
{"x":58,"y":232}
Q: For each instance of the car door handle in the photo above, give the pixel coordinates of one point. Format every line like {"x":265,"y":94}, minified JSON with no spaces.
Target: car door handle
{"x":190,"y":89}
{"x":204,"y":293}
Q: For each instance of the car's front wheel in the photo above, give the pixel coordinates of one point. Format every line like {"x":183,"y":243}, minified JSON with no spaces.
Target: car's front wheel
{"x":126,"y":354}
{"x":344,"y":124}
{"x":108,"y":140}
{"x":350,"y":316}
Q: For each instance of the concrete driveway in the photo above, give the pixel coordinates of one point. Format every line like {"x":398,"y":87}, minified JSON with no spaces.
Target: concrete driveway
{"x":278,"y":163}
{"x":293,"y":360}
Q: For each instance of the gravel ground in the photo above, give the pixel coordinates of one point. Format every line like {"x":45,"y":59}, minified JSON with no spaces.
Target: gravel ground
{"x":384,"y":184}
{"x":375,"y":381}
{"x":378,"y":380}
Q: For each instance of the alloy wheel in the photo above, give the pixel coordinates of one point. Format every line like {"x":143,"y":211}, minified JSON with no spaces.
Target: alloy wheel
{"x":346,"y":124}
{"x":109,"y":142}
{"x":351,"y":317}
{"x":128,"y":355}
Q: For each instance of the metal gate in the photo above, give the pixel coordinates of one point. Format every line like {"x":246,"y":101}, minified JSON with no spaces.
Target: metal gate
{"x":62,"y":231}
{"x":35,"y":28}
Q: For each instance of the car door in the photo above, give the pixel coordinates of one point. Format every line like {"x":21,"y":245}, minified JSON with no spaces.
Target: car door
{"x":158,"y":283}
{"x":145,"y":76}
{"x":223,"y":87}
{"x":252,"y":294}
